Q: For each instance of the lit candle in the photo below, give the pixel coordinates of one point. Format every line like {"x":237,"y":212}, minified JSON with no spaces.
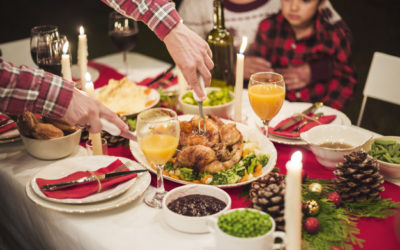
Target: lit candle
{"x":239,"y":81}
{"x":82,"y":55}
{"x":293,"y":202}
{"x":94,"y":137}
{"x":66,"y":63}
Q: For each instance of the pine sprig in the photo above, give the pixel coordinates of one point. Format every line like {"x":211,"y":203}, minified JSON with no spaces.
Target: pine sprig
{"x":381,"y":208}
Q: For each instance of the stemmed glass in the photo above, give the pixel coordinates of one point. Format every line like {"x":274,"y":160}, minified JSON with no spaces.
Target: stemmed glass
{"x":266,"y":92}
{"x":123,"y":32}
{"x":50,"y":31}
{"x":158,"y":132}
{"x":49,"y":53}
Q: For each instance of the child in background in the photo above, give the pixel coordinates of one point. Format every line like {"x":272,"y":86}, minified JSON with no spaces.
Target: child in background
{"x":298,"y":36}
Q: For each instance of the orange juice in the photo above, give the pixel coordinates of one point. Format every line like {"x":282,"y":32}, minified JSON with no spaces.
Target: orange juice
{"x":158,"y":149}
{"x":266,"y":100}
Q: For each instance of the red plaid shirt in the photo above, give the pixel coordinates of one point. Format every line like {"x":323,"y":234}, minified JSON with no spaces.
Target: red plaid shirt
{"x":160,"y":15}
{"x":23,"y":88}
{"x":276,"y":42}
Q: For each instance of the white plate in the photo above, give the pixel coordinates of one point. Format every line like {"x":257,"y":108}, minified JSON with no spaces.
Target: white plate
{"x":290,"y":108}
{"x":68,"y":166}
{"x":265,"y":146}
{"x":137,"y":190}
{"x":75,"y":72}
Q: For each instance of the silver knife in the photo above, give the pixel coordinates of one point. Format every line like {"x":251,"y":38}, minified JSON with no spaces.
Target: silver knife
{"x":61,"y":185}
{"x":298,"y":118}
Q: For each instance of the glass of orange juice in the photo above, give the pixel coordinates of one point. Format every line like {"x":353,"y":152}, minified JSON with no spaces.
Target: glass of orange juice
{"x":158,"y":132}
{"x":266,"y":92}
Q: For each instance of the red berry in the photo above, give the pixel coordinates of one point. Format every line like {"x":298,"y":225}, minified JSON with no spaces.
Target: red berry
{"x":311,"y":225}
{"x":335,"y":198}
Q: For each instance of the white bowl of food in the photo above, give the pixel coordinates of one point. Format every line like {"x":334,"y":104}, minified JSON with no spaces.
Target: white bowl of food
{"x":180,"y":213}
{"x":386,"y":150}
{"x":219,"y":102}
{"x":331,"y":142}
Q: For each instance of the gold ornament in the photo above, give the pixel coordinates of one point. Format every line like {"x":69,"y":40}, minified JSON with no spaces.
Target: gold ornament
{"x":312,"y":208}
{"x":315,"y":188}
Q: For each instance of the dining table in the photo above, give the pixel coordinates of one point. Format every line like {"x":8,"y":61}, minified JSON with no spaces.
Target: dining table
{"x":134,"y":225}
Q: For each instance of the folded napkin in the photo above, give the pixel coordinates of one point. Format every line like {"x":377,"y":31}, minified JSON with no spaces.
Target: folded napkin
{"x":105,"y":74}
{"x":84,"y":190}
{"x":165,"y":82}
{"x":289,"y":133}
{"x":4,"y":119}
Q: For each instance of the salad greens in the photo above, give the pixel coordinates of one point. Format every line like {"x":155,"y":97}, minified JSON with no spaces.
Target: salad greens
{"x":215,"y":97}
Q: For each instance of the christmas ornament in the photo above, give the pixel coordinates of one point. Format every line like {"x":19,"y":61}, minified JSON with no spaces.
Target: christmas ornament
{"x":357,"y":178}
{"x":335,"y":198}
{"x":311,"y":208}
{"x":311,"y":225}
{"x":315,"y":188}
{"x":267,"y":194}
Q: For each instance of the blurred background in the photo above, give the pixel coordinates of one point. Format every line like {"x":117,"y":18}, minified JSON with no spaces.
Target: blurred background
{"x":374,"y":24}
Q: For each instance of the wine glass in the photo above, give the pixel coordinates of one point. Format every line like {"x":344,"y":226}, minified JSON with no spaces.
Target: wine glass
{"x":123,"y":32}
{"x":49,"y":53}
{"x":36,"y":32}
{"x":158,"y":132}
{"x":266,"y":92}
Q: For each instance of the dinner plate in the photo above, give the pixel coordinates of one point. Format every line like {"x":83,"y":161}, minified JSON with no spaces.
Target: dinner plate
{"x":134,"y":192}
{"x":290,"y":108}
{"x":70,"y":165}
{"x":254,"y":135}
{"x":76,"y":75}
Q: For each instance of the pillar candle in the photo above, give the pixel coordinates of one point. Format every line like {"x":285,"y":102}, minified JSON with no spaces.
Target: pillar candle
{"x":66,"y":63}
{"x":82,"y":55}
{"x":94,"y":137}
{"x":293,"y":202}
{"x":239,"y":81}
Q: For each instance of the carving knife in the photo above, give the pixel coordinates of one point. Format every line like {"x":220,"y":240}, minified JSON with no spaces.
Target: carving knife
{"x":299,"y":117}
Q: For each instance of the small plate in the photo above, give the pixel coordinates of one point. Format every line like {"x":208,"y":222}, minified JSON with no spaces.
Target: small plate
{"x":67,"y":166}
{"x":265,"y":146}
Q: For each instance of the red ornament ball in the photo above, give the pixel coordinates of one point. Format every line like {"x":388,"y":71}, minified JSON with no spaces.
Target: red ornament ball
{"x":311,"y":225}
{"x":335,"y":198}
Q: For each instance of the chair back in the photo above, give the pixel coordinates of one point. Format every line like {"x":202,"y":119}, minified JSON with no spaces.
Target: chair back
{"x":383,"y":81}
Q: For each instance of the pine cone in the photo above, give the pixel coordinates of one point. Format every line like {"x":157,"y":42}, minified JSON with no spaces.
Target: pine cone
{"x":268,"y":194}
{"x":357,"y":178}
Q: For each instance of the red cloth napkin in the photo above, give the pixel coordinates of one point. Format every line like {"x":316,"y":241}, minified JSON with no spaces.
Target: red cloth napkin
{"x":8,"y":127}
{"x":105,"y":74}
{"x":84,"y":190}
{"x":289,"y":133}
{"x":167,"y":81}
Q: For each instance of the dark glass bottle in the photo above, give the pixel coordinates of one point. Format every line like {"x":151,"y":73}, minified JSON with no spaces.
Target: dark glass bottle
{"x":221,"y":44}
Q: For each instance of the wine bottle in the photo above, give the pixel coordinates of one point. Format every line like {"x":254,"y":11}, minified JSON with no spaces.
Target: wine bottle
{"x":221,"y":43}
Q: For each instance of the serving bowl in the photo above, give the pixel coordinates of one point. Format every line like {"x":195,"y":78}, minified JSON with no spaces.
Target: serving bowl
{"x":51,"y":149}
{"x":352,"y":137}
{"x":192,"y":224}
{"x":386,"y":168}
{"x":224,"y":110}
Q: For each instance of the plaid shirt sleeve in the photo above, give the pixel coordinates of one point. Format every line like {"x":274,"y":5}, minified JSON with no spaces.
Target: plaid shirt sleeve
{"x":23,"y":88}
{"x":160,"y":15}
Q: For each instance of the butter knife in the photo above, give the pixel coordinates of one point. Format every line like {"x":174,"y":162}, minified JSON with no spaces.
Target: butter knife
{"x":298,"y":118}
{"x":61,"y":185}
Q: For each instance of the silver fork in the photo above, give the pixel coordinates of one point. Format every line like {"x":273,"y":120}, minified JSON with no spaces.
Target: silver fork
{"x":315,"y":117}
{"x":201,"y":131}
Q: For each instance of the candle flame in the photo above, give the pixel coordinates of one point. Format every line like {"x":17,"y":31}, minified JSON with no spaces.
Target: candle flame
{"x":88,"y":77}
{"x":244,"y":44}
{"x":297,"y":157}
{"x":65,"y":48}
{"x":81,"y":30}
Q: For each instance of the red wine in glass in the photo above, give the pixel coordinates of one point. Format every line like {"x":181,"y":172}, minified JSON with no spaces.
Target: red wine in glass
{"x":124,"y":40}
{"x":37,"y":32}
{"x":52,"y":67}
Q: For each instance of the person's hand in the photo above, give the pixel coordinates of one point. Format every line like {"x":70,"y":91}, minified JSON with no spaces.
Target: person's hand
{"x":192,"y":55}
{"x":86,"y":112}
{"x":254,"y":64}
{"x":296,"y":77}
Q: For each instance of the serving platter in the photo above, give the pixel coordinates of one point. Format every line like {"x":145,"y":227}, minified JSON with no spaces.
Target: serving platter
{"x":265,"y":147}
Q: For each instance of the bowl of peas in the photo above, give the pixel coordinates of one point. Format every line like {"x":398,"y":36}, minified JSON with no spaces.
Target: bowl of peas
{"x":219,"y":102}
{"x":386,"y":150}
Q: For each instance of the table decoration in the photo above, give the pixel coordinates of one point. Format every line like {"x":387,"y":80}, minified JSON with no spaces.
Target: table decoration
{"x":66,"y":63}
{"x":82,"y":55}
{"x":239,"y":81}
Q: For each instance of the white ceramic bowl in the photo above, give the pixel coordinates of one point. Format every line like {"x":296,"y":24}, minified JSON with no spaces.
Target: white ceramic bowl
{"x":224,"y":110}
{"x":386,"y":168}
{"x":191,"y":224}
{"x":330,"y":157}
{"x":52,"y":149}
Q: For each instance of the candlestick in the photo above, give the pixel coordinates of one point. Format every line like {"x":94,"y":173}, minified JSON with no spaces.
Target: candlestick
{"x":82,"y":55}
{"x":239,"y":81}
{"x":293,"y":202}
{"x":94,"y":137}
{"x":66,"y":63}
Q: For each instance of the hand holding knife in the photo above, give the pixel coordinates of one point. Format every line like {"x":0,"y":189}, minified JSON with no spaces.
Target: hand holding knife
{"x":299,"y":117}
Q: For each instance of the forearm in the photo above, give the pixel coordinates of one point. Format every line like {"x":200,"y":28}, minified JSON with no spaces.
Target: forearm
{"x":160,"y":15}
{"x":23,"y":88}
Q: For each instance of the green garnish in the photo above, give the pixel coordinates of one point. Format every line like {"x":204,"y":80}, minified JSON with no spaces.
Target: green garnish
{"x":215,"y":97}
